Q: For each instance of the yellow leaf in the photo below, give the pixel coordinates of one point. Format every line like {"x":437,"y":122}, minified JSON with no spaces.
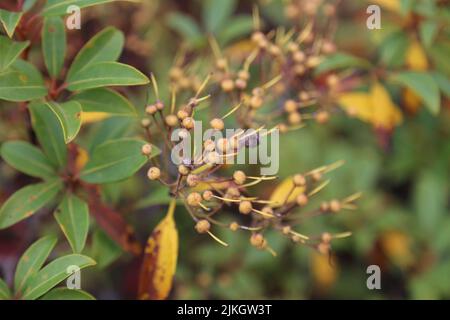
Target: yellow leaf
{"x":411,"y":100}
{"x":393,"y":5}
{"x":160,"y":259}
{"x":416,"y":59}
{"x":386,"y":114}
{"x":285,"y":190}
{"x":397,"y":247}
{"x":324,"y":270}
{"x":357,"y":104}
{"x":375,"y":107}
{"x":82,"y":159}
{"x":91,"y":117}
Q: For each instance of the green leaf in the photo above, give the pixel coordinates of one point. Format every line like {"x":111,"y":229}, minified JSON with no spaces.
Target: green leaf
{"x":25,"y":202}
{"x":430,"y":198}
{"x":73,"y":218}
{"x":67,"y":294}
{"x":59,"y":7}
{"x":105,"y":100}
{"x":238,"y":27}
{"x":443,"y":82}
{"x":32,"y":260}
{"x":216,"y":13}
{"x":21,"y":82}
{"x":115,"y":160}
{"x":103,"y":74}
{"x":69,"y":116}
{"x":340,"y":61}
{"x":28,"y":4}
{"x":393,"y":49}
{"x":428,"y":31}
{"x":440,"y":53}
{"x":49,"y":132}
{"x":104,"y":249}
{"x":28,"y":159}
{"x":424,"y":86}
{"x":53,"y":273}
{"x":185,"y":26}
{"x":10,"y":51}
{"x":54,"y":44}
{"x":10,"y":20}
{"x":106,"y":45}
{"x":5,"y":293}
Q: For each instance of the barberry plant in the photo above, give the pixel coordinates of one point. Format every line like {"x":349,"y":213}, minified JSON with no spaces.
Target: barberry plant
{"x":274,"y":86}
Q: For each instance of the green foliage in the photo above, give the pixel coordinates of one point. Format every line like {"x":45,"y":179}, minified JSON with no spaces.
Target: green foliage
{"x":73,"y":218}
{"x":54,"y":44}
{"x":115,"y":160}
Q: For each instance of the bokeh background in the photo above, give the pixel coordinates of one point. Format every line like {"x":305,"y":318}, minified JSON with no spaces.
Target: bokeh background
{"x":402,"y":223}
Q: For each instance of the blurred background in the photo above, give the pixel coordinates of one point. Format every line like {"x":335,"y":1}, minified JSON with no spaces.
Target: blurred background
{"x":402,"y":223}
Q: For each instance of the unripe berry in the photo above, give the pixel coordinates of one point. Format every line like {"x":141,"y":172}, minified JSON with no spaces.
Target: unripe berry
{"x":221,"y":64}
{"x":274,"y":50}
{"x":292,"y":47}
{"x":146,"y":149}
{"x":243,"y":75}
{"x":304,"y":96}
{"x":239,"y":177}
{"x":188,"y":123}
{"x":290,"y":106}
{"x":207,"y":195}
{"x":171,"y":120}
{"x":233,"y":192}
{"x":145,"y":122}
{"x":245,"y":207}
{"x":217,"y":124}
{"x":202,"y":226}
{"x":323,"y":248}
{"x":313,"y":61}
{"x":268,"y":210}
{"x":240,"y":84}
{"x":299,"y":69}
{"x":182,"y":114}
{"x":194,"y":199}
{"x":301,"y":200}
{"x":335,"y":206}
{"x":316,"y":176}
{"x":324,"y":207}
{"x":299,"y":180}
{"x":192,"y":180}
{"x":234,"y":226}
{"x":257,"y":240}
{"x":183,"y":170}
{"x":175,"y":73}
{"x":298,"y":56}
{"x":256,"y":102}
{"x":322,"y":117}
{"x":326,"y":237}
{"x":258,"y":36}
{"x":151,"y":109}
{"x":227,"y":85}
{"x":294,"y":118}
{"x":159,"y":105}
{"x":286,"y":230}
{"x":154,"y":173}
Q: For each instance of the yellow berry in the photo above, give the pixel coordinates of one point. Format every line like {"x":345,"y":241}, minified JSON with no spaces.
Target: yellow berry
{"x":194,"y":199}
{"x":207,"y":195}
{"x":217,"y":124}
{"x":290,"y":106}
{"x":183,"y":170}
{"x":227,"y":85}
{"x":151,"y":109}
{"x":245,"y":207}
{"x":154,"y":173}
{"x":239,"y":177}
{"x":202,"y":226}
{"x":234,"y":226}
{"x":192,"y":180}
{"x":294,"y":118}
{"x":302,"y":200}
{"x":171,"y":120}
{"x":146,"y":149}
{"x":322,"y":117}
{"x":188,"y":123}
{"x":335,"y":206}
